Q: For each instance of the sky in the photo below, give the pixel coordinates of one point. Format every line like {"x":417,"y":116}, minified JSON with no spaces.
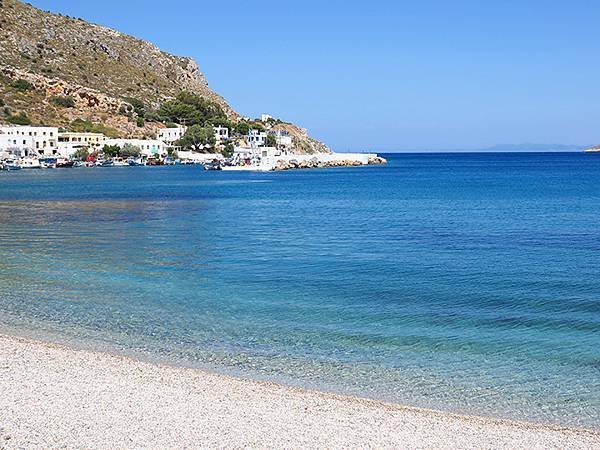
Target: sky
{"x":385,"y":75}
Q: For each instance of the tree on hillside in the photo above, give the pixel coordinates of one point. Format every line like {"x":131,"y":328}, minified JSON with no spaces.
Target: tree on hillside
{"x":19,"y":119}
{"x":197,"y":138}
{"x":190,"y":109}
{"x":271,"y":141}
{"x":242,"y":128}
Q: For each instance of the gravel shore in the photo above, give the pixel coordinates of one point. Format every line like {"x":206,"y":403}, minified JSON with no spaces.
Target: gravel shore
{"x":57,"y":397}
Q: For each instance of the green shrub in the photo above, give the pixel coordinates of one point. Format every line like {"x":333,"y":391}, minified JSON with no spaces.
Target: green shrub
{"x":81,"y":154}
{"x":19,"y":119}
{"x":271,"y":141}
{"x":111,"y":150}
{"x":138,"y":106}
{"x":196,"y":137}
{"x":140,"y":122}
{"x":242,"y":128}
{"x":227,"y":151}
{"x":22,"y":85}
{"x":64,"y":101}
{"x":190,"y":109}
{"x":130,"y":150}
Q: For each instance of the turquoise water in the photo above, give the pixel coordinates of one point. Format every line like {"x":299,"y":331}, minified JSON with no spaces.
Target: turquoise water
{"x":463,"y":282}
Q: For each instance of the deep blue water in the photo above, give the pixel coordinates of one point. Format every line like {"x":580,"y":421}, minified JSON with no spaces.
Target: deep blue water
{"x":467,"y":282}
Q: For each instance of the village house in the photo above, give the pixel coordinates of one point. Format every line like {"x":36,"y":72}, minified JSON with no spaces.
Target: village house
{"x":256,"y":138}
{"x":170,"y":136}
{"x":221,"y":133}
{"x":283,"y":139}
{"x":70,"y":142}
{"x":92,"y":140}
{"x":26,"y":139}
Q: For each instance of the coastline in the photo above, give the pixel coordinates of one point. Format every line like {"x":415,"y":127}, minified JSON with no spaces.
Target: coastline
{"x":57,"y":396}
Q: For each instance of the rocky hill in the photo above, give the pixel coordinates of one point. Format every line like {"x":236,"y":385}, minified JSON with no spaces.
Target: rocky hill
{"x":55,"y":69}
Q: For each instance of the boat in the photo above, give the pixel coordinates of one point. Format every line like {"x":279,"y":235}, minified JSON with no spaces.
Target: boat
{"x":135,"y":162}
{"x":11,"y":165}
{"x":48,"y":163}
{"x":213,"y":165}
{"x":64,"y":163}
{"x":107,"y":163}
{"x":120,"y":162}
{"x":30,"y":163}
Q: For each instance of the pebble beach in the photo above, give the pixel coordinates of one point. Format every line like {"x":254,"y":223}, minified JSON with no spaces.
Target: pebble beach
{"x":60,"y":397}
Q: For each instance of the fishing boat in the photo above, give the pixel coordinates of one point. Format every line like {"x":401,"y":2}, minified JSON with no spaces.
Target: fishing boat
{"x":30,"y":163}
{"x":64,"y":163}
{"x":213,"y":165}
{"x":11,"y":165}
{"x":135,"y":162}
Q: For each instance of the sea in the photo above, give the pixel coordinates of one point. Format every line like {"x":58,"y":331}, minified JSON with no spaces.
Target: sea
{"x":468,"y":283}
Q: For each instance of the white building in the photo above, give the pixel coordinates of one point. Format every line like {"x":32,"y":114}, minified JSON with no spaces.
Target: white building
{"x":70,"y":142}
{"x":265,"y":117}
{"x":171,"y":135}
{"x":25,"y":139}
{"x":255,"y":156}
{"x":91,"y":140}
{"x":221,"y":133}
{"x":283,"y":139}
{"x":256,"y":138}
{"x":148,"y":147}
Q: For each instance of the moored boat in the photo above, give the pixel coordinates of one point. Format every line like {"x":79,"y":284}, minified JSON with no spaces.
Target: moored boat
{"x":11,"y":165}
{"x":64,"y":163}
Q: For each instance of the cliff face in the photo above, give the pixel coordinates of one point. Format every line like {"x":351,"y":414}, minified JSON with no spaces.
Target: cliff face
{"x":99,"y":68}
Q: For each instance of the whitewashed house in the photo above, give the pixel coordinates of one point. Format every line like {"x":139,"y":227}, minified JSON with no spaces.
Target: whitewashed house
{"x":170,"y":136}
{"x":26,"y":139}
{"x":283,"y":139}
{"x":70,"y":142}
{"x":221,"y":133}
{"x":256,"y":138}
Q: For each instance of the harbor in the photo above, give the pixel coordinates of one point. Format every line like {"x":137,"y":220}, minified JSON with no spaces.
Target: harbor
{"x":29,"y":147}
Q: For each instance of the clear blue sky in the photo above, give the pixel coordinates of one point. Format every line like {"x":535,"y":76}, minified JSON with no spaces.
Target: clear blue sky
{"x":385,"y":75}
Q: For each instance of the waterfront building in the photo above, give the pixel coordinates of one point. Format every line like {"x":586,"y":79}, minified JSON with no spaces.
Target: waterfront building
{"x":28,"y":139}
{"x":70,"y":142}
{"x":148,"y":147}
{"x":170,"y":136}
{"x":91,"y":140}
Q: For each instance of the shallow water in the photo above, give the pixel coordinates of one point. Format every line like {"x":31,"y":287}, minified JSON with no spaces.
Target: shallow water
{"x":466,"y":282}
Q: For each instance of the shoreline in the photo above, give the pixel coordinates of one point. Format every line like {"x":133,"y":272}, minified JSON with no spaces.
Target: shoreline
{"x":58,"y":395}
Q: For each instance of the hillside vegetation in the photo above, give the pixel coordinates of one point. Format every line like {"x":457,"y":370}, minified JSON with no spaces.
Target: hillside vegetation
{"x":56,"y":69}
